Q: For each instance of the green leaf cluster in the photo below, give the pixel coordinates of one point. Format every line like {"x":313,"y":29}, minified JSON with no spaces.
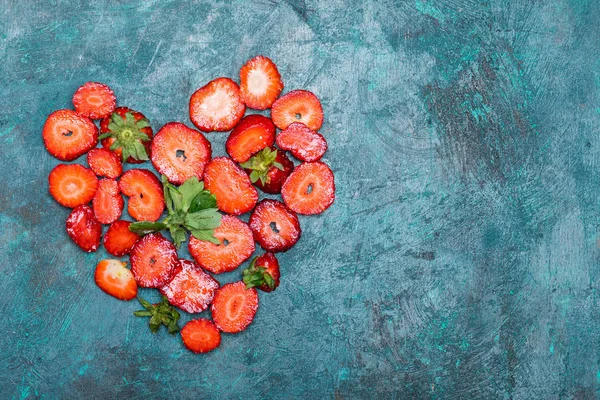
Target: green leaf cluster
{"x":261,"y":163}
{"x":255,"y":276}
{"x":128,"y":135}
{"x":160,"y":314}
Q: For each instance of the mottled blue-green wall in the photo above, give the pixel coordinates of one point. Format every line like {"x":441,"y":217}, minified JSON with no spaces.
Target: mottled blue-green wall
{"x":461,"y":257}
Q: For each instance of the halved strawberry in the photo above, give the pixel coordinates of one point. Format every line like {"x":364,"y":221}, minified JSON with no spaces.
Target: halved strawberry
{"x":251,"y":135}
{"x":94,"y":100}
{"x":179,"y":152}
{"x":72,"y":184}
{"x":67,"y":135}
{"x":304,"y":144}
{"x":118,"y":239}
{"x":105,"y":163}
{"x":263,"y":273}
{"x":84,"y":229}
{"x":268,"y":169}
{"x":298,"y":106}
{"x":230,"y":185}
{"x":217,"y":106}
{"x":234,"y":307}
{"x":260,"y":83}
{"x":236,"y":246}
{"x":200,"y":336}
{"x":108,"y":203}
{"x":310,"y":189}
{"x":191,"y":289}
{"x":275,"y":227}
{"x":145,"y":192}
{"x":115,"y":279}
{"x":128,"y":134}
{"x":153,"y":261}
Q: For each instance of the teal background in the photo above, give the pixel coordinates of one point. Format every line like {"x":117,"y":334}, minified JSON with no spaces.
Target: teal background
{"x":460,"y":259}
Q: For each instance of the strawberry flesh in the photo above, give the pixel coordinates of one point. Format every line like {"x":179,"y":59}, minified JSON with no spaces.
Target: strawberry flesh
{"x":310,"y":188}
{"x":145,"y":192}
{"x":108,"y":203}
{"x":72,"y":185}
{"x":230,"y":185}
{"x":234,"y":307}
{"x":303,"y":143}
{"x":118,"y":239}
{"x":298,"y":106}
{"x":115,"y":279}
{"x":191,"y":289}
{"x":94,"y":100}
{"x":68,"y":135}
{"x":105,"y":163}
{"x":153,"y":261}
{"x":217,"y":106}
{"x":200,"y":336}
{"x":275,"y":227}
{"x":260,"y":83}
{"x":252,"y":134}
{"x":84,"y":229}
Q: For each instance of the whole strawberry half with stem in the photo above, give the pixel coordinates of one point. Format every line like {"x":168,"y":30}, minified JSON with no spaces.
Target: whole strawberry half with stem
{"x":263,"y":273}
{"x":268,"y":169}
{"x":127,"y":133}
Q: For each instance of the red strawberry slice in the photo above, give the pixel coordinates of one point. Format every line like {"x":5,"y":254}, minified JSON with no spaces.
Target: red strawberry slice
{"x":298,"y":106}
{"x":263,"y":273}
{"x":118,"y":239}
{"x":115,"y":279}
{"x":236,"y":246}
{"x":234,"y":307}
{"x":304,"y":144}
{"x":230,"y":185}
{"x":275,"y":227}
{"x":153,"y":261}
{"x":268,"y":169}
{"x":260,"y":83}
{"x":84,"y":229}
{"x":105,"y":163}
{"x":191,"y":289}
{"x":108,"y":203}
{"x":200,"y":336}
{"x":94,"y":100}
{"x":217,"y":106}
{"x":179,"y":152}
{"x":130,"y":132}
{"x":310,"y":189}
{"x":72,"y":185}
{"x":67,"y":135}
{"x":251,"y":135}
{"x":145,"y":192}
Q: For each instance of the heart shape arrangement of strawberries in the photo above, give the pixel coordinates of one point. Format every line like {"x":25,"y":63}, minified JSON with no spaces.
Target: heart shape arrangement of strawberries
{"x":197,"y":198}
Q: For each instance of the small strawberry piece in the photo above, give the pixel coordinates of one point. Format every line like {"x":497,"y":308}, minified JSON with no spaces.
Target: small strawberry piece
{"x":230,"y":185}
{"x":72,"y":184}
{"x":153,"y":261}
{"x":84,"y":229}
{"x":310,"y":189}
{"x":237,"y":245}
{"x":115,"y":279}
{"x":145,"y":192}
{"x":105,"y":163}
{"x":67,"y":135}
{"x":251,"y":135}
{"x":128,"y":134}
{"x":94,"y":100}
{"x":268,"y":169}
{"x":118,"y":239}
{"x":260,"y":83}
{"x":179,"y":152}
{"x":298,"y":106}
{"x":191,"y":289}
{"x":275,"y":227}
{"x":200,"y":336}
{"x":234,"y":307}
{"x":304,"y":144}
{"x":217,"y":106}
{"x":263,"y":273}
{"x":108,"y":203}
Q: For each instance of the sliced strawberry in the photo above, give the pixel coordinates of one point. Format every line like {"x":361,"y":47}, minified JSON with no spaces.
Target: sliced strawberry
{"x":275,"y":227}
{"x":191,"y":289}
{"x":115,"y":279}
{"x":108,"y":203}
{"x":263,"y":273}
{"x":230,"y":185}
{"x":268,"y":169}
{"x":105,"y":163}
{"x":84,"y":229}
{"x":236,"y":246}
{"x":200,"y":336}
{"x":94,"y":100}
{"x":234,"y":307}
{"x":179,"y":152}
{"x":260,"y":83}
{"x":310,"y":189}
{"x":153,"y":261}
{"x":118,"y":239}
{"x":217,"y":106}
{"x":298,"y":106}
{"x":251,"y":135}
{"x":67,"y":135}
{"x":304,"y":144}
{"x":145,"y":192}
{"x":128,"y":134}
{"x":72,"y":184}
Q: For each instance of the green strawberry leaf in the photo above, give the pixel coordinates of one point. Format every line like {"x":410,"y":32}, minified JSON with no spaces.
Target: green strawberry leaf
{"x":203,"y":220}
{"x":189,"y":190}
{"x":206,"y":235}
{"x":146,"y":227}
{"x":202,"y":201}
{"x":178,"y":235}
{"x":255,"y":276}
{"x":160,"y":314}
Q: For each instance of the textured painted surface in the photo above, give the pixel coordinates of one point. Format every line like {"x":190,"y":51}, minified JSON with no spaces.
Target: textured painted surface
{"x":460,"y":259}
